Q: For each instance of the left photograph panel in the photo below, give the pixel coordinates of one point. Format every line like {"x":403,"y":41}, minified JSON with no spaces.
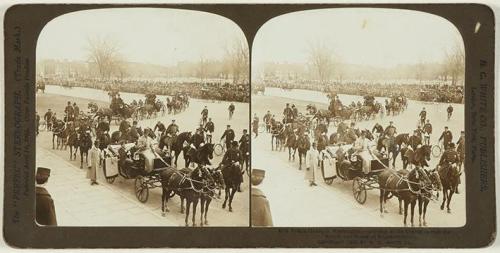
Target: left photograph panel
{"x":142,"y":119}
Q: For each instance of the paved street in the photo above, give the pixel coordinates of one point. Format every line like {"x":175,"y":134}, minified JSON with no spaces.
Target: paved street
{"x":110,"y":208}
{"x":80,"y":204}
{"x":294,"y":203}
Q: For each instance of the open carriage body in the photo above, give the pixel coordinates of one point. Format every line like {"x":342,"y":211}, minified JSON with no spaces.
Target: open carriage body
{"x":349,"y":167}
{"x":145,"y":169}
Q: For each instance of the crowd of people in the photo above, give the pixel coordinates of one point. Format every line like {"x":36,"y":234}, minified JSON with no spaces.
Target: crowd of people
{"x":429,"y":92}
{"x":223,"y":91}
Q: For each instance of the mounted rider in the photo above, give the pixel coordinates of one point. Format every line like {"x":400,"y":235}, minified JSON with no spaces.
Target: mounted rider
{"x":197,"y":139}
{"x":415,"y":140}
{"x":48,"y":119}
{"x":351,"y":136}
{"x":135,"y":132}
{"x":245,"y":148}
{"x":295,"y":112}
{"x":161,"y":129}
{"x":378,"y":130}
{"x":117,"y":104}
{"x":447,"y":137}
{"x":390,"y":133}
{"x":69,"y":111}
{"x":171,"y":131}
{"x":76,"y":111}
{"x":288,"y":114}
{"x":229,"y":135}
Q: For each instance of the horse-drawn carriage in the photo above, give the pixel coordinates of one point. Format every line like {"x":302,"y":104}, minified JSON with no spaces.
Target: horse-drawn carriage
{"x":145,"y":168}
{"x":341,"y":161}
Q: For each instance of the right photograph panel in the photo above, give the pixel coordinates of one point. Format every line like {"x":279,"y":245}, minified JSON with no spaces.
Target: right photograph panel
{"x":358,"y":120}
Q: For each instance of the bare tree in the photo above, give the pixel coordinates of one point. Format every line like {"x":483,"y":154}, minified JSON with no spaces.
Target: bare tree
{"x":321,"y":59}
{"x":454,"y":65}
{"x":237,"y":60}
{"x":105,"y":54}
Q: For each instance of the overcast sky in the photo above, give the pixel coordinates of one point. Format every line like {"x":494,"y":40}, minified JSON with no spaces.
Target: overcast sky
{"x":146,"y":35}
{"x":378,"y":37}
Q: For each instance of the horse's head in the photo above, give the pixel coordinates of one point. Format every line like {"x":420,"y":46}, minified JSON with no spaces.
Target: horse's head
{"x":419,"y":179}
{"x":218,"y":177}
{"x":368,"y":135}
{"x":435,"y":179}
{"x":208,"y":150}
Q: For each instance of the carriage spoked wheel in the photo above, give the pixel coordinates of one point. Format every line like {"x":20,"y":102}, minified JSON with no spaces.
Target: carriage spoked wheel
{"x":359,"y":190}
{"x":436,"y":150}
{"x":110,"y":180}
{"x":141,"y":189}
{"x":218,"y":149}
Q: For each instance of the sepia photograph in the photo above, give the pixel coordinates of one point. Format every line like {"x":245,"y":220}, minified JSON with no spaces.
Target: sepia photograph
{"x":142,"y":119}
{"x":358,"y":120}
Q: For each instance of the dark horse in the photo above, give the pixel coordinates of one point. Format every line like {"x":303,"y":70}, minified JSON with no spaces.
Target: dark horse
{"x":177,"y":143}
{"x":390,"y":145}
{"x":185,"y":183}
{"x":419,"y":157}
{"x":406,"y":186}
{"x":200,"y":156}
{"x":84,"y":143}
{"x":208,"y":193}
{"x":232,"y":180}
{"x":303,"y":144}
{"x":425,"y":197}
{"x":60,"y":133}
{"x":291,"y":143}
{"x":450,"y":177}
{"x":72,"y":143}
{"x":393,"y":145}
{"x":278,"y":136}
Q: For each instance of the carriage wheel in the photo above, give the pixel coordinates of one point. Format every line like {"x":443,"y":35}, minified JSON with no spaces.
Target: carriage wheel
{"x":329,"y":180}
{"x":141,"y":189}
{"x":218,"y":149}
{"x":436,"y":150}
{"x":110,"y":180}
{"x":359,"y":190}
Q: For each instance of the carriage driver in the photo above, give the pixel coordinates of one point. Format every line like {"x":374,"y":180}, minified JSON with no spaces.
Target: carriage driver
{"x":229,"y":135}
{"x":363,"y":150}
{"x":69,"y":112}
